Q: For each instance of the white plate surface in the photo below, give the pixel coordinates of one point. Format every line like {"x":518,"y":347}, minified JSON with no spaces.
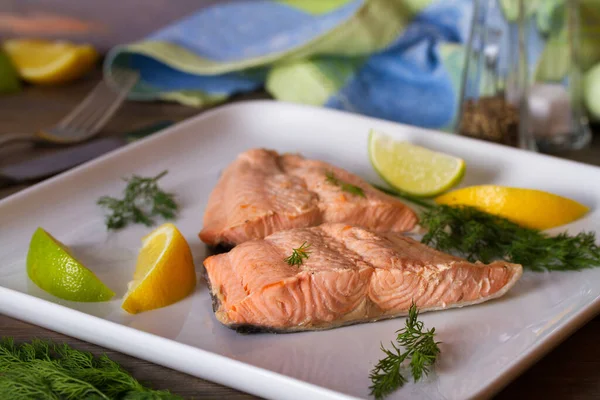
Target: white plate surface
{"x":484,"y":346}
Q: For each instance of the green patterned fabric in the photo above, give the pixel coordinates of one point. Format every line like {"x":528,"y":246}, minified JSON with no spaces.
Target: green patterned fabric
{"x":318,"y":52}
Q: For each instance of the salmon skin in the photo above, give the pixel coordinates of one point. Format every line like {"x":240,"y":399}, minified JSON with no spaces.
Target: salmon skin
{"x":263,"y":192}
{"x":351,"y":276}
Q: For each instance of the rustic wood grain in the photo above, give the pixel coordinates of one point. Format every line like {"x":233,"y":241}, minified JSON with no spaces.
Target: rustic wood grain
{"x":571,"y":371}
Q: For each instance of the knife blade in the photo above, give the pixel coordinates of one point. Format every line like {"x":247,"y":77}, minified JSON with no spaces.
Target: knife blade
{"x":62,"y":160}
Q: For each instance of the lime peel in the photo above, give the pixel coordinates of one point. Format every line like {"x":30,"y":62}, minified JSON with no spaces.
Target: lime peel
{"x":412,"y":169}
{"x":52,"y":267}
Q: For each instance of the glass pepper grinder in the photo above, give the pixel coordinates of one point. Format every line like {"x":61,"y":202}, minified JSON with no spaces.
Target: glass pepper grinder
{"x":494,"y":80}
{"x":514,"y":91}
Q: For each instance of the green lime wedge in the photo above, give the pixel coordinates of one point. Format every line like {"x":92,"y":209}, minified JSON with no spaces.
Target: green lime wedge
{"x":412,"y":169}
{"x":9,"y":80}
{"x":55,"y":270}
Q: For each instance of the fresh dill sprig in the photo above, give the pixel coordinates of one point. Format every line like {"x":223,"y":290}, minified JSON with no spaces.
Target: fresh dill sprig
{"x":419,"y":347}
{"x":142,"y":200}
{"x":45,"y":370}
{"x":298,"y":255}
{"x":345,"y":186}
{"x":479,"y":236}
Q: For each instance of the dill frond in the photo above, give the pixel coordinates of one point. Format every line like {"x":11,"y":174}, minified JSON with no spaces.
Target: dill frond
{"x":298,"y":255}
{"x":142,"y":201}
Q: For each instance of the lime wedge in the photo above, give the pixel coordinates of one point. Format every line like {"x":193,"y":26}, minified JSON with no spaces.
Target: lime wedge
{"x":412,"y":169}
{"x":55,"y":270}
{"x":9,"y":80}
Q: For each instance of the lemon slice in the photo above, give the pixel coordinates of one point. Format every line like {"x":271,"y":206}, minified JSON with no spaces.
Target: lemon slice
{"x":47,"y":62}
{"x":164,"y":273}
{"x":51,"y":266}
{"x":527,"y":207}
{"x":413,"y":169}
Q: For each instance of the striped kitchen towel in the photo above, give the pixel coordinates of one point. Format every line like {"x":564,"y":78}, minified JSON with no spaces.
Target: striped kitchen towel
{"x":399,"y":60}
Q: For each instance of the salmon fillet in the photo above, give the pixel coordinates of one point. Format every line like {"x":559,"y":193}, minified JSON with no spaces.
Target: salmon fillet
{"x":352,"y":275}
{"x":263,"y":192}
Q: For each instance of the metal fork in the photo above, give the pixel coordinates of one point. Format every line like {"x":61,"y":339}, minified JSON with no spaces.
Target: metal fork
{"x":88,"y":117}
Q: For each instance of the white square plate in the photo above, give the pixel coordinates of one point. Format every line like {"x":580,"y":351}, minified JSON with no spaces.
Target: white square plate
{"x":484,"y":346}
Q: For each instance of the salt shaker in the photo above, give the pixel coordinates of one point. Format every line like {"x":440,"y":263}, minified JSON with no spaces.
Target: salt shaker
{"x":556,"y":111}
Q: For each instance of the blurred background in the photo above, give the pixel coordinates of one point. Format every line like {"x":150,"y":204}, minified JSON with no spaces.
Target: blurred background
{"x":386,"y":59}
{"x":104,"y":24}
{"x":522,"y":73}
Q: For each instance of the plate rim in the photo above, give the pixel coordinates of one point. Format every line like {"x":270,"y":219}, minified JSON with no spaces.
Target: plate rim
{"x":65,"y":315}
{"x":510,"y":372}
{"x":231,"y":107}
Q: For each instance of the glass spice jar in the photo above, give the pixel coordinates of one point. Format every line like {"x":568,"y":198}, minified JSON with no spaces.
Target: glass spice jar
{"x":557,"y":114}
{"x":494,"y":79}
{"x":521,"y":86}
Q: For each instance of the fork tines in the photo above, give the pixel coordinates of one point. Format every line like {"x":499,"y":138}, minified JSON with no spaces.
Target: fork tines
{"x":96,"y":109}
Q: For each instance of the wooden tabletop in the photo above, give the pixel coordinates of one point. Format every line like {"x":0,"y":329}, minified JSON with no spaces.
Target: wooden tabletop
{"x":570,"y":371}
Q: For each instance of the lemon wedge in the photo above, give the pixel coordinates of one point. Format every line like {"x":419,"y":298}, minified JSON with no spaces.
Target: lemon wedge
{"x":164,"y":272}
{"x":527,"y":207}
{"x":49,"y":63}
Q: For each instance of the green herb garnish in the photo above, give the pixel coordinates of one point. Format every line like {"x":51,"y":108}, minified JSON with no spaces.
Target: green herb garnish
{"x":44,"y":370}
{"x":479,"y":236}
{"x":346,"y":187}
{"x":298,"y":255}
{"x":143,"y":200}
{"x":420,"y":350}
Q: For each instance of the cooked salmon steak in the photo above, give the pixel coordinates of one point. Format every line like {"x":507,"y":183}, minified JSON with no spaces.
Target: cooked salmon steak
{"x":263,"y":192}
{"x":350,"y":275}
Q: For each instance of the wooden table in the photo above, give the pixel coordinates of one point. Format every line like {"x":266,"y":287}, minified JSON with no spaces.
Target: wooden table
{"x":572,"y":370}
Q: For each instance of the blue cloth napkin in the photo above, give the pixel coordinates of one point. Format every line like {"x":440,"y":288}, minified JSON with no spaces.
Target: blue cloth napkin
{"x":399,"y":60}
